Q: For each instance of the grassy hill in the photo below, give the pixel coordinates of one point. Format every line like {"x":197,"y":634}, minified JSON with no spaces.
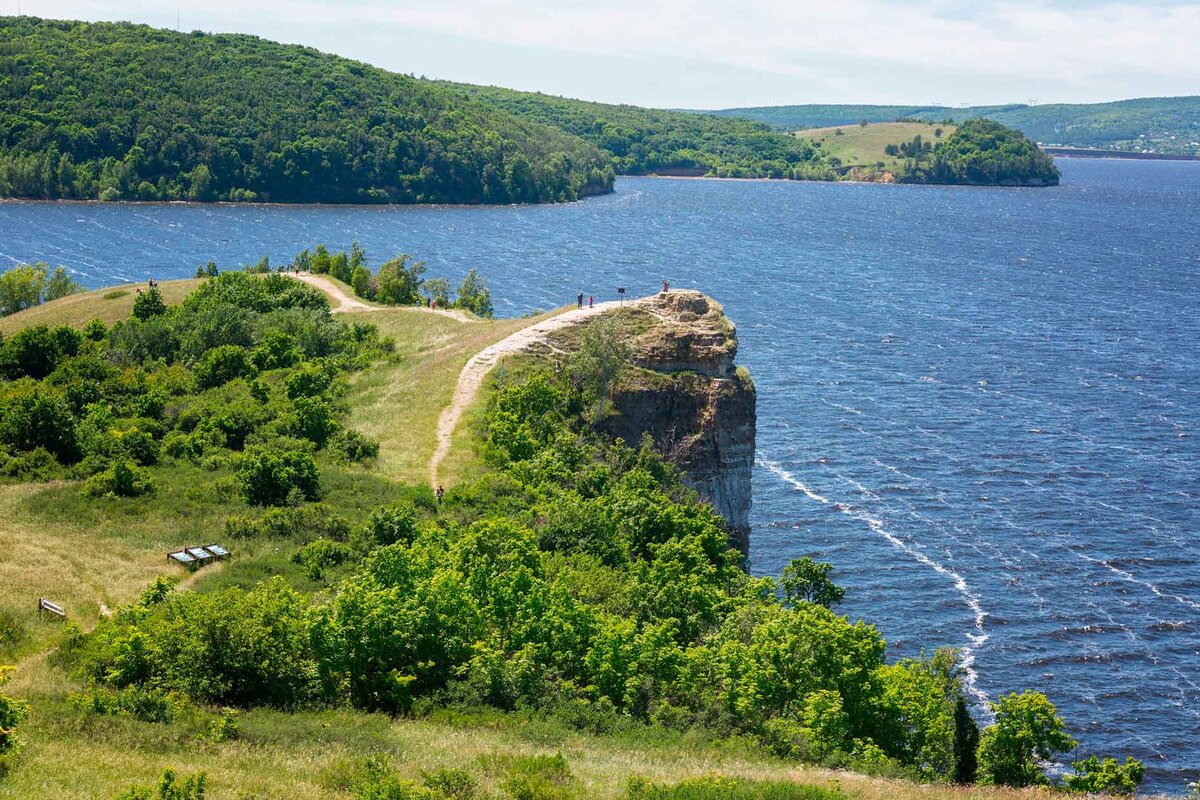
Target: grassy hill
{"x":122,"y":111}
{"x":98,"y":554}
{"x":976,"y":152}
{"x":865,"y":146}
{"x":1161,"y":124}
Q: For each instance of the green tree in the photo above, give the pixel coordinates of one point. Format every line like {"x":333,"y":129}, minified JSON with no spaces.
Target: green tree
{"x":361,"y":280}
{"x":60,"y":284}
{"x":278,"y":477}
{"x":21,"y":287}
{"x":149,"y":303}
{"x":437,"y":290}
{"x":808,"y":580}
{"x":474,"y":295}
{"x":220,"y":365}
{"x":966,"y":744}
{"x":1107,"y":777}
{"x":399,"y":283}
{"x":597,"y":364}
{"x":1027,"y":732}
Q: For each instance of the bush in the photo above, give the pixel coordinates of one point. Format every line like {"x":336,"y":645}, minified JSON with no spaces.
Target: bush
{"x":1108,"y":777}
{"x":539,"y":778}
{"x":122,"y":479}
{"x":305,"y":523}
{"x":12,"y":713}
{"x":35,"y":352}
{"x":1026,"y":734}
{"x":354,"y":447}
{"x":169,"y":788}
{"x":222,"y":364}
{"x":389,"y":525}
{"x":318,"y":555}
{"x":274,"y":478}
{"x":720,"y":788}
{"x":145,"y":705}
{"x":149,"y":303}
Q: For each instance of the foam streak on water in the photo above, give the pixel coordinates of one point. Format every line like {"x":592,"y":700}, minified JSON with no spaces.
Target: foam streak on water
{"x":977,"y":637}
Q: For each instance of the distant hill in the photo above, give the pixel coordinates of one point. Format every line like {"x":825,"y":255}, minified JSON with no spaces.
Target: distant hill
{"x":122,"y":111}
{"x":1160,"y":124}
{"x":647,"y":140}
{"x":976,"y":152}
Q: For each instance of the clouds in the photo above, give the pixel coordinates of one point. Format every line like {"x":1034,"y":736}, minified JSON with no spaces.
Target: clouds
{"x":802,"y":50}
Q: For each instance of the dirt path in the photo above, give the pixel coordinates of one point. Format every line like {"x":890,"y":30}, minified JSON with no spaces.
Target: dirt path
{"x":343,"y":303}
{"x":472,"y":375}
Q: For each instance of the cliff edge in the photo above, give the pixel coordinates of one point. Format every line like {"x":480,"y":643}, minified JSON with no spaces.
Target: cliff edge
{"x":686,"y":392}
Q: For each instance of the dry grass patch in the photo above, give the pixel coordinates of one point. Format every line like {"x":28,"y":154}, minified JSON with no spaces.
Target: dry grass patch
{"x":108,"y":305}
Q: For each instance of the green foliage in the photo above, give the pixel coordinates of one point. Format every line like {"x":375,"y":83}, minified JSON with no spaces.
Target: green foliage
{"x":643,"y":140}
{"x":597,"y":363}
{"x":119,"y":111}
{"x":1108,"y":777}
{"x":540,"y":778}
{"x":170,"y":788}
{"x":399,"y":282}
{"x":474,"y":296}
{"x":28,"y":285}
{"x":145,"y":705}
{"x":35,"y":352}
{"x":320,"y":554}
{"x":277,"y":477}
{"x":122,"y":479}
{"x":982,"y":152}
{"x":720,"y":788}
{"x":234,"y":647}
{"x":807,"y":580}
{"x":222,"y":364}
{"x":149,"y":303}
{"x":12,"y":713}
{"x":437,"y":290}
{"x":1027,"y":732}
{"x":305,"y":523}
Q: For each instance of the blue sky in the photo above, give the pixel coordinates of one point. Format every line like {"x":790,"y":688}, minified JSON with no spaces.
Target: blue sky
{"x":704,"y":54}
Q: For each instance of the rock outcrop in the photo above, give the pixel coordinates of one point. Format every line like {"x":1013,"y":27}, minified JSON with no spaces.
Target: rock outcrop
{"x":688,"y":395}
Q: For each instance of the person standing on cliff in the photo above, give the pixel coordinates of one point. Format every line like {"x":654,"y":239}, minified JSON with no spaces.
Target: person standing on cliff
{"x":666,"y":286}
{"x":591,"y":301}
{"x":579,"y":299}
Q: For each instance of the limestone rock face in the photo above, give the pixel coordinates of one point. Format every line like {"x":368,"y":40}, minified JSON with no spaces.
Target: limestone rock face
{"x":698,"y":407}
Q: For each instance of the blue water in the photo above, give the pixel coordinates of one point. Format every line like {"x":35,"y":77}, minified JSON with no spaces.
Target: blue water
{"x":980,"y":404}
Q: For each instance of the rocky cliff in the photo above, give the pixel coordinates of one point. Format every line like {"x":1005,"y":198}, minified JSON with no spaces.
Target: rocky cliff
{"x":687,"y":393}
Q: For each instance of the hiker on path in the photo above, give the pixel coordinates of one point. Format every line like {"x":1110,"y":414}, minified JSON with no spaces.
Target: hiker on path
{"x":440,"y":492}
{"x":579,"y":299}
{"x":591,"y":301}
{"x":666,"y":286}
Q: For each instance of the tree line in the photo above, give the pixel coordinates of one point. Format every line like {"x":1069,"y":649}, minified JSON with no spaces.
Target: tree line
{"x":128,"y":112}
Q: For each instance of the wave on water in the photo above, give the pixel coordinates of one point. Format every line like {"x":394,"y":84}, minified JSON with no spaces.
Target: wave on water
{"x":977,"y":637}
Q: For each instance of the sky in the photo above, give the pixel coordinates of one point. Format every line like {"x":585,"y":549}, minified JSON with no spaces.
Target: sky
{"x":711,"y":54}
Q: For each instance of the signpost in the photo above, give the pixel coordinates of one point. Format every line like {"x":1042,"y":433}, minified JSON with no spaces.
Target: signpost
{"x":621,"y":291}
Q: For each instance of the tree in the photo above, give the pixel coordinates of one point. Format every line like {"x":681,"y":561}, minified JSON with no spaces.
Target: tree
{"x":1108,"y":777}
{"x":438,"y":291}
{"x":220,"y":365}
{"x":399,"y":284}
{"x":474,"y":295}
{"x":21,"y":288}
{"x":278,"y":477}
{"x":966,"y":744}
{"x":808,"y":580}
{"x":1027,"y":732}
{"x":200,"y":185}
{"x":596,"y":365}
{"x":60,"y":285}
{"x":149,"y":303}
{"x":360,"y":279}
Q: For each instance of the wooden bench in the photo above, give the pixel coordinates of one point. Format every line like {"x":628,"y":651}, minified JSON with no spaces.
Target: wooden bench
{"x":51,"y":608}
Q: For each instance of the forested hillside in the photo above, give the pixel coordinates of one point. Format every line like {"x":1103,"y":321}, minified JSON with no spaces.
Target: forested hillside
{"x":120,"y":111}
{"x":646,"y":140}
{"x":1160,"y":124}
{"x":981,"y":152}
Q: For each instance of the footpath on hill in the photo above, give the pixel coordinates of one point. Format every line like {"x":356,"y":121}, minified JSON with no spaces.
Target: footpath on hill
{"x":343,"y":303}
{"x":473,"y":373}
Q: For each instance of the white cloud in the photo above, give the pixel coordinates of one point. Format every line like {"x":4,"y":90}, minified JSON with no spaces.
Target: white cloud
{"x":1078,"y":48}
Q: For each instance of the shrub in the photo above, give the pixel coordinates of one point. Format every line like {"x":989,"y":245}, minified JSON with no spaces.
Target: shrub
{"x":145,"y":705}
{"x":1107,"y":777}
{"x":318,"y":555}
{"x":354,"y":447}
{"x":35,"y":352}
{"x":276,"y":351}
{"x":222,"y":364}
{"x":474,"y":295}
{"x":312,"y":419}
{"x":721,"y":788}
{"x":274,"y":478}
{"x":40,"y":419}
{"x":169,"y":788}
{"x":388,"y":525}
{"x":95,"y":331}
{"x":539,"y":778}
{"x":149,"y":303}
{"x":305,"y":523}
{"x":122,"y":479}
{"x":1027,"y":733}
{"x":12,"y":713}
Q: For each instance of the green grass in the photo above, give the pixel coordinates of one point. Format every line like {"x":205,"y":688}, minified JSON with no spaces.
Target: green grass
{"x":864,"y":146}
{"x":108,"y":305}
